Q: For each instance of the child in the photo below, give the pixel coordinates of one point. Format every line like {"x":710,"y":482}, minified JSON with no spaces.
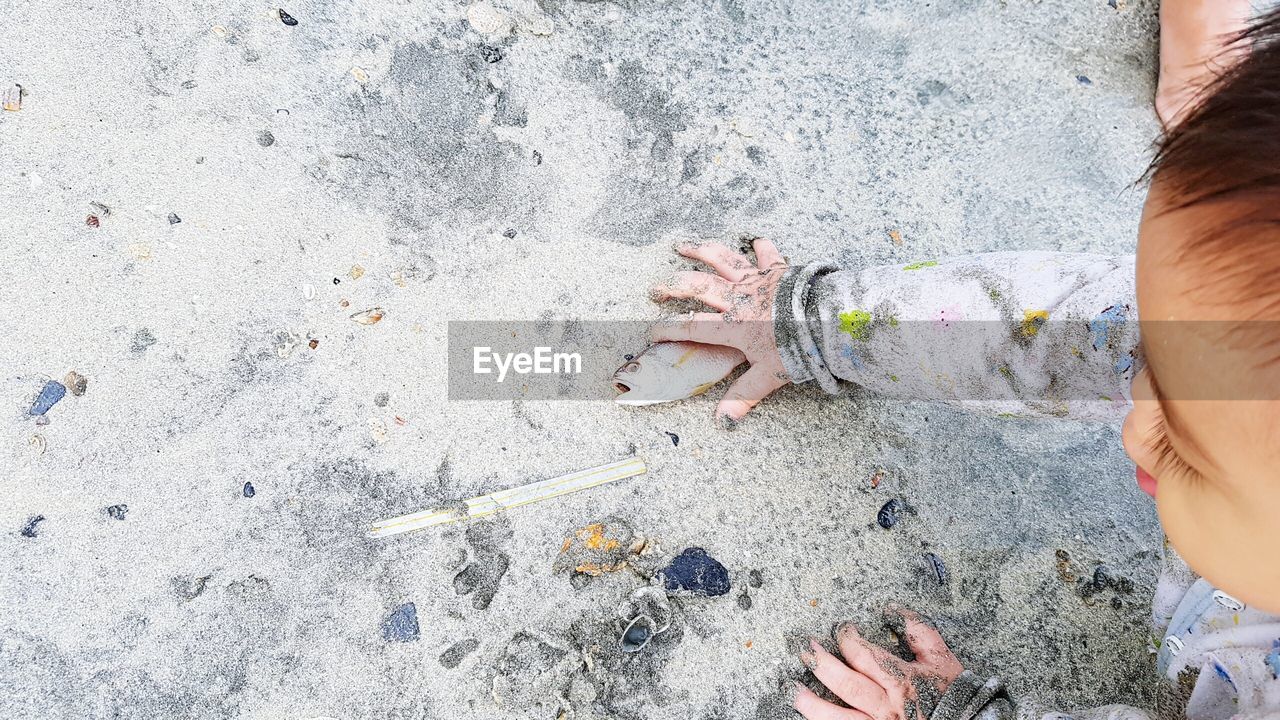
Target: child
{"x":1056,"y":333}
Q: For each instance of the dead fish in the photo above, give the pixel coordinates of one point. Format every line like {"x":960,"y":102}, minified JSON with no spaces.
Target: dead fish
{"x":669,"y":371}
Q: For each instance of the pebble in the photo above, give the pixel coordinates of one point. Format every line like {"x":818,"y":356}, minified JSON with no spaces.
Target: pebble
{"x":696,"y":572}
{"x":744,"y":601}
{"x":248,"y":490}
{"x":117,"y":512}
{"x":368,"y":317}
{"x":934,"y":565}
{"x":675,"y":439}
{"x":488,"y":20}
{"x":510,"y":234}
{"x":286,"y":18}
{"x":174,"y":219}
{"x":50,"y":394}
{"x":189,"y":588}
{"x":755,"y":579}
{"x":490,"y":54}
{"x":537,"y":158}
{"x":313,"y":344}
{"x":13,"y":98}
{"x":457,"y":652}
{"x":76,"y":383}
{"x":402,"y":624}
{"x":1084,"y":80}
{"x":29,"y":529}
{"x":92,"y":221}
{"x":266,"y":139}
{"x":889,"y":514}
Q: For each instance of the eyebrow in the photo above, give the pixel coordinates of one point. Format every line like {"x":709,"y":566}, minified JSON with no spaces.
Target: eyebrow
{"x":1174,"y":423}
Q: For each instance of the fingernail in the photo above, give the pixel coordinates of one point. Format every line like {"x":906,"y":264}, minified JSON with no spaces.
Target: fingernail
{"x":809,"y":660}
{"x":794,"y":688}
{"x":726,"y":423}
{"x":846,"y":628}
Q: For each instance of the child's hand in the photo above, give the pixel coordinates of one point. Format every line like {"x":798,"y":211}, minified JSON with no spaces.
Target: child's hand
{"x":743,"y":293}
{"x":875,"y":683}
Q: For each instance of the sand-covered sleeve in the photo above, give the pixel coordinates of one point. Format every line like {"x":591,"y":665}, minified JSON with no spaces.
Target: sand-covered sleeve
{"x":1027,"y":333}
{"x":972,"y":697}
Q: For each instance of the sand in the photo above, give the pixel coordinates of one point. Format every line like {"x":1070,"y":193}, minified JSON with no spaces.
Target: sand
{"x":377,"y":156}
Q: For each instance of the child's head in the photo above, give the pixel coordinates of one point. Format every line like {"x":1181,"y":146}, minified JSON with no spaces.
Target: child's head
{"x":1205,"y":428}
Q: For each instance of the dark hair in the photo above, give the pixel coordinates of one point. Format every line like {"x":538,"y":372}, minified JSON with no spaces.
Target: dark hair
{"x":1228,"y":146}
{"x":1227,"y":150}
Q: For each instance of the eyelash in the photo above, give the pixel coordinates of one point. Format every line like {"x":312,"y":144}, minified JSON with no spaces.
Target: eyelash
{"x":1166,"y":456}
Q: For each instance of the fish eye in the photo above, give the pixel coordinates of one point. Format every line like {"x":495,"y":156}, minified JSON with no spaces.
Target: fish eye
{"x":631,"y":367}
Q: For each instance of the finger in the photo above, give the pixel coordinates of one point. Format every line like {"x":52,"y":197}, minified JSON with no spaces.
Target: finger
{"x":708,"y":328}
{"x":855,"y":689}
{"x":865,"y":657}
{"x":706,"y":288}
{"x":767,"y":254}
{"x":925,"y":642}
{"x":747,"y":391}
{"x":730,"y":265}
{"x":808,"y":704}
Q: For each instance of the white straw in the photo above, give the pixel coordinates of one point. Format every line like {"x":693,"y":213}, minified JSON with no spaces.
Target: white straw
{"x":514,"y":497}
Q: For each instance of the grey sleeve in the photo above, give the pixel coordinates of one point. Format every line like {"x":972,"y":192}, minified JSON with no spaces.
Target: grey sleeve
{"x":1022,"y":333}
{"x":970,"y":697}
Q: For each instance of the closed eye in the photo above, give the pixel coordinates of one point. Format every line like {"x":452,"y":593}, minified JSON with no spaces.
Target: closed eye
{"x":1168,"y":461}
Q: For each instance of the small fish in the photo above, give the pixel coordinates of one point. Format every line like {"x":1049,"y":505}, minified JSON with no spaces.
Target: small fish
{"x":670,"y":371}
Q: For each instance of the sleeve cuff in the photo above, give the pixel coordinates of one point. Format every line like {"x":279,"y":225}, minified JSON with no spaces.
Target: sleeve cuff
{"x":967,"y":696}
{"x":794,"y":327}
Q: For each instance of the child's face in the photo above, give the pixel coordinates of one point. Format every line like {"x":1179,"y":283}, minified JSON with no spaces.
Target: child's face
{"x":1213,"y":465}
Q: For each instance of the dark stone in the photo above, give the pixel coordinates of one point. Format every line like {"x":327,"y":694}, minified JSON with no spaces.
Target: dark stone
{"x":457,"y":652}
{"x":50,"y":394}
{"x":1084,"y":80}
{"x":287,"y":19}
{"x":755,"y":579}
{"x":537,"y":158}
{"x":490,"y":54}
{"x":934,"y":566}
{"x":889,"y":514}
{"x":188,"y":587}
{"x":510,"y":233}
{"x":142,"y":339}
{"x":266,"y":139}
{"x":118,"y":512}
{"x":174,"y":219}
{"x":744,"y":601}
{"x":248,"y":489}
{"x":402,"y":624}
{"x":675,"y":439}
{"x":29,"y":529}
{"x":382,"y":399}
{"x":1116,"y":603}
{"x":696,"y":572}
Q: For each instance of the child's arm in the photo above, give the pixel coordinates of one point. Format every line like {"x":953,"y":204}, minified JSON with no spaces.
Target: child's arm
{"x":1194,"y":38}
{"x":1025,"y":333}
